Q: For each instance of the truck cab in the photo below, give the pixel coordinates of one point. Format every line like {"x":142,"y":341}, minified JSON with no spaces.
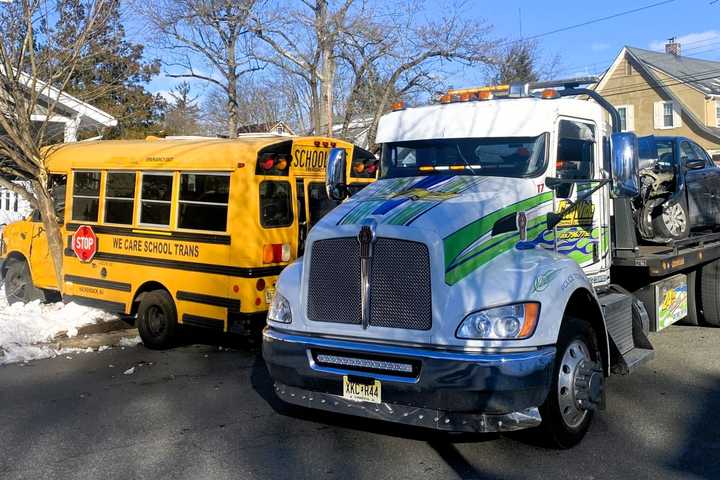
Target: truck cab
{"x":471,"y":287}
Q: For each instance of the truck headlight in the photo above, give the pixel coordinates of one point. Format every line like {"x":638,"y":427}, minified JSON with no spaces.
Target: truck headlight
{"x":280,"y":309}
{"x":510,"y":322}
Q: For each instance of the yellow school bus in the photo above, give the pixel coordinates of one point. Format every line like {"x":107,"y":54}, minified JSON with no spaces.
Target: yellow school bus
{"x":191,"y":231}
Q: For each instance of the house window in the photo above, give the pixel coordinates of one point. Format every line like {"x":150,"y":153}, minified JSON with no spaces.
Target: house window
{"x":717,"y":112}
{"x":623,"y":118}
{"x":628,"y":67}
{"x":155,"y":198}
{"x":204,"y":201}
{"x":668,"y":114}
{"x":280,"y":130}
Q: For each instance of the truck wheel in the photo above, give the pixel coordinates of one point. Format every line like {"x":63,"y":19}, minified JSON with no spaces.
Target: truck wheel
{"x":577,"y":385}
{"x":670,"y":220}
{"x":710,"y":293}
{"x":18,"y":283}
{"x":157,"y":319}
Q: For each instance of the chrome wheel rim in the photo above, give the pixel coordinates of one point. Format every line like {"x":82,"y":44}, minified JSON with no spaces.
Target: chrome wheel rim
{"x":674,"y":219}
{"x":570,"y":409}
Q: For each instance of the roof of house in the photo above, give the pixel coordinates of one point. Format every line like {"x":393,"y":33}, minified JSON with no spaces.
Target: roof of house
{"x":701,"y":74}
{"x":87,"y":114}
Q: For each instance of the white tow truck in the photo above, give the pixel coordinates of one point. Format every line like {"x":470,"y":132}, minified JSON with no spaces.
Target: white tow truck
{"x":492,"y":278}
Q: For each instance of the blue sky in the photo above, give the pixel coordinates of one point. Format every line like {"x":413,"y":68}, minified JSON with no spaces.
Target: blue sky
{"x":588,"y":49}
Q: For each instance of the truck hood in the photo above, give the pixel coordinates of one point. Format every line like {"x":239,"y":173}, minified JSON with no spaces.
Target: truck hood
{"x":443,"y":204}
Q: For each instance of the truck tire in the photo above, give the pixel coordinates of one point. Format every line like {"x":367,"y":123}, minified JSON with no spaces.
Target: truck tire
{"x":564,"y":423}
{"x":157,"y":320}
{"x":18,"y":283}
{"x":710,"y":293}
{"x":671,"y":221}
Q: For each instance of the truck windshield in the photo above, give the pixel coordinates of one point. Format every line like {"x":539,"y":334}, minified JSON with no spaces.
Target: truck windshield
{"x":502,"y":157}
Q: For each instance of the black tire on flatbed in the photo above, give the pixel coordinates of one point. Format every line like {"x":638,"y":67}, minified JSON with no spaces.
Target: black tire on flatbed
{"x":710,"y":293}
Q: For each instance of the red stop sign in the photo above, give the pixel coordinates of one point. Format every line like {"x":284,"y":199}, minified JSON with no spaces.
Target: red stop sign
{"x":84,"y":243}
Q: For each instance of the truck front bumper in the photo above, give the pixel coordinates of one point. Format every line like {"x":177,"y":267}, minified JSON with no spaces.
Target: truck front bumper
{"x":441,"y":389}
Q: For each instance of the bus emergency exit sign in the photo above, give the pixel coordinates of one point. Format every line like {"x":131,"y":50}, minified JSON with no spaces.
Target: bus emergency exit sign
{"x":84,"y":243}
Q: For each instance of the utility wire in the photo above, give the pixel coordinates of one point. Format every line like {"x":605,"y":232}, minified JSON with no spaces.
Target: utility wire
{"x":597,"y":20}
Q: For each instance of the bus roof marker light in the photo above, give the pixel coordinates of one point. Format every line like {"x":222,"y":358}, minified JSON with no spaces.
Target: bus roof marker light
{"x":447,"y":98}
{"x":398,"y":106}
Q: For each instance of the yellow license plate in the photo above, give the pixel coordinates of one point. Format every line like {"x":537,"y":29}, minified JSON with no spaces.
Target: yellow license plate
{"x":361,"y":392}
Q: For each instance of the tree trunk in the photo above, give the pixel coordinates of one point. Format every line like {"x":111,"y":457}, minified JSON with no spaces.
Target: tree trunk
{"x":52,"y":227}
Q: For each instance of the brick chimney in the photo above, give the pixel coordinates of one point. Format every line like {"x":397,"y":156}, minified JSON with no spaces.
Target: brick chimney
{"x":672,"y":47}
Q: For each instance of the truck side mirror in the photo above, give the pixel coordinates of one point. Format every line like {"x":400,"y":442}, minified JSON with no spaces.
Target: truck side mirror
{"x":624,"y":165}
{"x":335,"y":182}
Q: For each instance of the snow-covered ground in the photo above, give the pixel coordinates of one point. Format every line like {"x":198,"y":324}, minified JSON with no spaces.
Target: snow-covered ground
{"x":24,"y":326}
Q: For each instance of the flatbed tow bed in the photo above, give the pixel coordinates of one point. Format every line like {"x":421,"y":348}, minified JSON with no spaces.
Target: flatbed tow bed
{"x":663,"y":260}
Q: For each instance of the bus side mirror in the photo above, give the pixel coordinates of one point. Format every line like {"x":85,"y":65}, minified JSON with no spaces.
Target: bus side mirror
{"x":624,"y":165}
{"x":335,"y":182}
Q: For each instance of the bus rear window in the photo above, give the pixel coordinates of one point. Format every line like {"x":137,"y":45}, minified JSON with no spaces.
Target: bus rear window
{"x":86,"y":196}
{"x":203,"y":201}
{"x":275,"y":204}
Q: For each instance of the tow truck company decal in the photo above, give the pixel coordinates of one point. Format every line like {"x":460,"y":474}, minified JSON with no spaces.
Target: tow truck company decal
{"x":474,"y":245}
{"x":401,"y":202}
{"x":544,"y":279}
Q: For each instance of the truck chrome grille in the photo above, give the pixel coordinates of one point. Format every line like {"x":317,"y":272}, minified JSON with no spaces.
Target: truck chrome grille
{"x":400,"y":289}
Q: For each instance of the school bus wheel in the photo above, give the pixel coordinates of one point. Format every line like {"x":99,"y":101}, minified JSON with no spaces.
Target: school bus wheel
{"x":157,"y":319}
{"x":18,"y":283}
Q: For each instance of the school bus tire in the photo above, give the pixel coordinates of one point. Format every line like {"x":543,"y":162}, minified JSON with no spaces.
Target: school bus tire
{"x":18,"y":283}
{"x":157,"y":320}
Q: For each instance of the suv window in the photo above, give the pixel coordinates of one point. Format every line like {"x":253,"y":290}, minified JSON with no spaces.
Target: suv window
{"x":155,"y":197}
{"x":86,"y":196}
{"x":701,"y":153}
{"x":119,"y":197}
{"x":203,"y":201}
{"x":687,"y":152}
{"x":275,"y":204}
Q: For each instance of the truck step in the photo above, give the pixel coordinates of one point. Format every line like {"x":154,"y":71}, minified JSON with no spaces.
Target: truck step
{"x":632,"y":360}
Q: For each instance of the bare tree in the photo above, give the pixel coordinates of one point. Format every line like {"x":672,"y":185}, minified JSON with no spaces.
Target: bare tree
{"x":207,"y":40}
{"x":182,"y":115}
{"x":29,"y":104}
{"x":304,"y":42}
{"x":376,"y":50}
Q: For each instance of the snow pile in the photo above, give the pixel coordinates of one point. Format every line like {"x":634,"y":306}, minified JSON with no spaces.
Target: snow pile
{"x":24,"y":326}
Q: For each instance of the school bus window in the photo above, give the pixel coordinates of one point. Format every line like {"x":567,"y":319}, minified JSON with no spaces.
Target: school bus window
{"x":203,"y":201}
{"x":119,"y":197}
{"x":57,"y":184}
{"x":86,"y":196}
{"x":275,"y":204}
{"x":155,"y":198}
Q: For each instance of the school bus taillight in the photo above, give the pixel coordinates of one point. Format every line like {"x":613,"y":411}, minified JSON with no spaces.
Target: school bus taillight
{"x":276,"y":253}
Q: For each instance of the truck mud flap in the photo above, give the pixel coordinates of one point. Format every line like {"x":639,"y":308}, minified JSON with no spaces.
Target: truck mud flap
{"x":626,"y":320}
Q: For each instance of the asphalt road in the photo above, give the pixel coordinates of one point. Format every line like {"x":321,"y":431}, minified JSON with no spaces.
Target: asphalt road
{"x":198,"y":412}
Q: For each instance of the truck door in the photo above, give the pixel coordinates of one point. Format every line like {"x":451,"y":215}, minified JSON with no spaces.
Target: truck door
{"x":698,"y":182}
{"x":582,"y":234}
